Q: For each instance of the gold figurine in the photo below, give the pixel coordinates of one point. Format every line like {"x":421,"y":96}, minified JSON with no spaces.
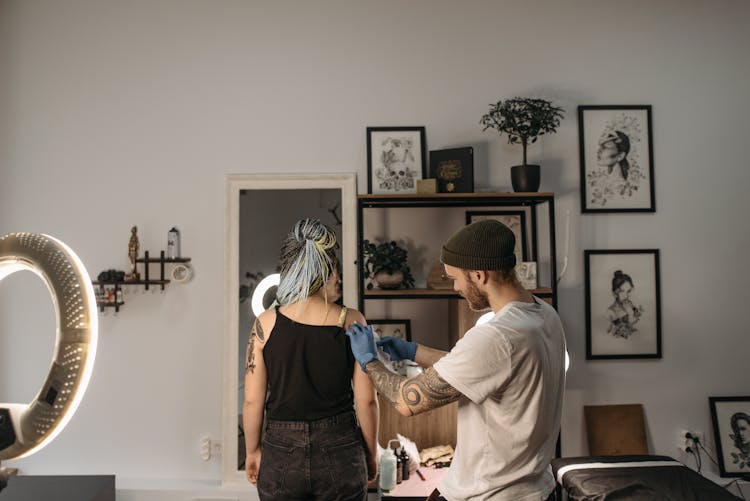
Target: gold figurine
{"x":133,"y":247}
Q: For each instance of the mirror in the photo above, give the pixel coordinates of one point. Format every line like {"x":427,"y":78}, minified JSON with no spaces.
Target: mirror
{"x":261,"y":210}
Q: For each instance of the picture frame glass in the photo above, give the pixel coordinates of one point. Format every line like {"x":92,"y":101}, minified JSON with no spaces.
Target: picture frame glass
{"x":623,"y":310}
{"x":731,"y":422}
{"x":616,"y":159}
{"x":396,"y":159}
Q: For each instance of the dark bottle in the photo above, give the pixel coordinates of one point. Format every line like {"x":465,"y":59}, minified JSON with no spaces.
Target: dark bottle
{"x":404,"y":464}
{"x":399,"y":466}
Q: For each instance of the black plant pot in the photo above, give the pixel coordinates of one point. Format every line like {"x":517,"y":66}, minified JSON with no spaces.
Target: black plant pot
{"x":525,"y":178}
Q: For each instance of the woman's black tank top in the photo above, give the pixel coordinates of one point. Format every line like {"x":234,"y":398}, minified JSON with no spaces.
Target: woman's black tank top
{"x":309,"y":369}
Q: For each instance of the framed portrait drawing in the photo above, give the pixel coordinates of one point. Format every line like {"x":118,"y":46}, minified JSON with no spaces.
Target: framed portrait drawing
{"x":623,"y":304}
{"x":617,"y":161}
{"x":395,"y":159}
{"x":513,"y":219}
{"x":731,"y":422}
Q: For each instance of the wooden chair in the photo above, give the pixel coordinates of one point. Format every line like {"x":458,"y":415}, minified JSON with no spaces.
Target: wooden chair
{"x":615,"y":430}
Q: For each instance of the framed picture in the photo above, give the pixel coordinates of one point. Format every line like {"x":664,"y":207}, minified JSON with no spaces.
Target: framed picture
{"x":617,"y":160}
{"x":513,"y":219}
{"x":731,"y":420}
{"x":391,"y":327}
{"x":454,"y":169}
{"x":395,"y":159}
{"x":623,"y":312}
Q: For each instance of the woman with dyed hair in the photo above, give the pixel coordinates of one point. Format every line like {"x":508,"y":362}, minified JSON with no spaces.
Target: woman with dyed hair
{"x":300,"y":370}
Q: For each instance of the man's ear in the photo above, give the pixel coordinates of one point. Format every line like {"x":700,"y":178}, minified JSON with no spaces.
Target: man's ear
{"x":479,"y":276}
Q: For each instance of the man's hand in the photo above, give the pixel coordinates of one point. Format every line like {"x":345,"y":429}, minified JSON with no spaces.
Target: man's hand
{"x":397,"y":348}
{"x":363,"y":343}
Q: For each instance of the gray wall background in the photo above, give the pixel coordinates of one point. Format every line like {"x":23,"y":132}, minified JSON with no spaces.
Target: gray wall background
{"x":122,"y":113}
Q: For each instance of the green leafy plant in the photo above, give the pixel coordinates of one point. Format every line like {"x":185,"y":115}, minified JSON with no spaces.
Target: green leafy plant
{"x":523,"y":119}
{"x":386,"y":257}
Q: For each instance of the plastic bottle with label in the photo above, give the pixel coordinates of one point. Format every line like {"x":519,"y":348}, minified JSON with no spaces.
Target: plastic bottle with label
{"x":388,"y":468}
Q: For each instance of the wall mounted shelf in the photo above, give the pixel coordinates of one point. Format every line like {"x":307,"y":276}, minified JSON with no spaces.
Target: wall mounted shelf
{"x":115,"y":299}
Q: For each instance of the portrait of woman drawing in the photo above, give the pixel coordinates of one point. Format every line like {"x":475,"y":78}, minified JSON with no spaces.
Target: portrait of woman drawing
{"x":616,"y":158}
{"x":622,"y":313}
{"x":740,"y":436}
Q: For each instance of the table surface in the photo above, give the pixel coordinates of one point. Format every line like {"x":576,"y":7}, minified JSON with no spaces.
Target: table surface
{"x":415,"y":488}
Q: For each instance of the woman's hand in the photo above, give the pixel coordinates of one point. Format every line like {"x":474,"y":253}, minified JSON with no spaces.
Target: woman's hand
{"x":372,"y":467}
{"x":252,"y":465}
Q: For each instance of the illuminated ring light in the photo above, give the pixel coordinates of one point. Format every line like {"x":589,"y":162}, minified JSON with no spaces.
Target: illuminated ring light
{"x":26,"y":428}
{"x":264,"y":286}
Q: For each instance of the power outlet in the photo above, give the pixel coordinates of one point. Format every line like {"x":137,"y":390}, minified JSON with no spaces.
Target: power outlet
{"x":683,"y":442}
{"x":205,"y":448}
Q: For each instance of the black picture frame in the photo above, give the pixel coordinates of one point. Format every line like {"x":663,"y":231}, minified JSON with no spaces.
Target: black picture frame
{"x":618,"y":325}
{"x":513,"y":219}
{"x":396,"y":327}
{"x":453,"y":168}
{"x":395,"y":159}
{"x":730,"y":417}
{"x":617,"y":158}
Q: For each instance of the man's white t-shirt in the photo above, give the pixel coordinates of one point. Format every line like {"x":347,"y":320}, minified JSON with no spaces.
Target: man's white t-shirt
{"x":511,"y":371}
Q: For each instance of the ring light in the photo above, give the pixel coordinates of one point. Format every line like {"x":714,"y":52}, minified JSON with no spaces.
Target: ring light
{"x":26,"y":428}
{"x":260,"y":292}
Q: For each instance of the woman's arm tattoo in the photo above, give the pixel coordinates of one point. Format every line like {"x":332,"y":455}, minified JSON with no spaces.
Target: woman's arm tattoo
{"x":257,"y":331}
{"x":415,"y":395}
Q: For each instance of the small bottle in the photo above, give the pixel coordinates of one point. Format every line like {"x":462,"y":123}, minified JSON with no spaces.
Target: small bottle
{"x":173,"y":243}
{"x":388,"y":468}
{"x":399,"y":466}
{"x":404,"y":464}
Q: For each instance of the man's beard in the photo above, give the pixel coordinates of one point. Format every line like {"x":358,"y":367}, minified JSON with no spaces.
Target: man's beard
{"x":476,"y":299}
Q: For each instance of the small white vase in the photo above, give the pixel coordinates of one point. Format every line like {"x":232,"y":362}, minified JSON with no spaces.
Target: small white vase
{"x":389,"y":280}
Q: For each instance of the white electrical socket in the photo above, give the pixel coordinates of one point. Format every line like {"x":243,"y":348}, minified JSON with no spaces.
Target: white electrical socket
{"x":683,"y":442}
{"x":205,"y":448}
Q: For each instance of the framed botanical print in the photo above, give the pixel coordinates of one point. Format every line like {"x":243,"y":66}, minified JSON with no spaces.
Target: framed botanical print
{"x":395,"y":159}
{"x":731,"y":422}
{"x":513,"y":219}
{"x":623,"y":312}
{"x":617,"y":161}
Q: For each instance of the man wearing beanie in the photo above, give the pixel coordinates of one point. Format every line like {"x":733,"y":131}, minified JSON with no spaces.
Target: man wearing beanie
{"x":507,"y":374}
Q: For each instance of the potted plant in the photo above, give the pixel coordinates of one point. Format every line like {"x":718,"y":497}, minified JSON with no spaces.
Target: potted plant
{"x":386,"y":265}
{"x":523,"y":119}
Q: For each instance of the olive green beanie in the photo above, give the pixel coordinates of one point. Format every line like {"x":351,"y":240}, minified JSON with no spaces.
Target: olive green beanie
{"x":484,"y":245}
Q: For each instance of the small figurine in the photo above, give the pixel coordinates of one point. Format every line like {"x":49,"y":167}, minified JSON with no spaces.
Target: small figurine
{"x":133,"y":247}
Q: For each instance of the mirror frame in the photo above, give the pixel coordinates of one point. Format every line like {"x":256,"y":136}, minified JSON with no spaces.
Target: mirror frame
{"x":235,"y":183}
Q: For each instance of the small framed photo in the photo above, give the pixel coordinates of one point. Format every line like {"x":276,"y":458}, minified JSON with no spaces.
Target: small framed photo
{"x":395,"y":159}
{"x":731,"y":421}
{"x":617,"y":160}
{"x":454,"y":169}
{"x":623,"y":304}
{"x":391,"y":327}
{"x":526,"y":274}
{"x":513,"y":219}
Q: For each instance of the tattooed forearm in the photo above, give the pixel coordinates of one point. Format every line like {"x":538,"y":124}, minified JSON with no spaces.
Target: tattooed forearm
{"x":412,"y":396}
{"x":386,"y":382}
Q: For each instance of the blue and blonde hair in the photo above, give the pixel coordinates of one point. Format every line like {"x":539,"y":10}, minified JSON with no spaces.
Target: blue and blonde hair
{"x":308,"y":259}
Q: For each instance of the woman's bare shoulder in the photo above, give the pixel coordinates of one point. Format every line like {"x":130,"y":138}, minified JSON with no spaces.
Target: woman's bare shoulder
{"x":354,"y":316}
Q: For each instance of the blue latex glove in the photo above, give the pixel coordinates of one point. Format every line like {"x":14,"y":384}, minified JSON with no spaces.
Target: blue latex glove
{"x":397,"y":348}
{"x":363,"y":343}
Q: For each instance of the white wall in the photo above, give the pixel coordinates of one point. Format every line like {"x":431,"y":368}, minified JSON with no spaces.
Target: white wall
{"x":121,"y":113}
